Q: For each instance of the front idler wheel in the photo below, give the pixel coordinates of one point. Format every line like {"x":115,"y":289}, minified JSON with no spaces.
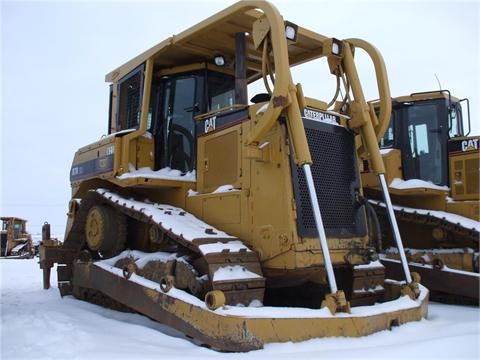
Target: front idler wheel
{"x":105,"y":231}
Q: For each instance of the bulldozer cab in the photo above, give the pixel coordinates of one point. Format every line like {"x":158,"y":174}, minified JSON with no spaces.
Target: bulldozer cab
{"x":422,"y":127}
{"x":175,"y":102}
{"x":177,"y":98}
{"x":15,"y":240}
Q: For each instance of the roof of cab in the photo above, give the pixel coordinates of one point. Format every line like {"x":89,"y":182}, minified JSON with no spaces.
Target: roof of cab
{"x":216,"y":35}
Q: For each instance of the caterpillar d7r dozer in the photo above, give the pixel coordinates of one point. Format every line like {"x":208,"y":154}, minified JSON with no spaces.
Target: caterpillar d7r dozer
{"x":432,"y":168}
{"x":236,"y":224}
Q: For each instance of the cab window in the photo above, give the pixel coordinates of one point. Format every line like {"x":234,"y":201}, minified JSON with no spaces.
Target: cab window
{"x":130,"y":90}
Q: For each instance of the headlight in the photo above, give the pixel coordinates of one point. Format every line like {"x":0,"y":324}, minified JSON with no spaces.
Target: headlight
{"x":219,"y":60}
{"x":336,"y":47}
{"x":291,"y":31}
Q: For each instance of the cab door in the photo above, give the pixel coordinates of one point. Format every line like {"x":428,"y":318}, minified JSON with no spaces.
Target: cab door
{"x":425,"y":149}
{"x":173,"y":124}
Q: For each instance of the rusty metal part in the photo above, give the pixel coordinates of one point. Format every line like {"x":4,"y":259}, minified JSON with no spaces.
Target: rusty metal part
{"x":50,"y":254}
{"x":461,"y":286}
{"x":367,"y":285}
{"x":432,"y":230}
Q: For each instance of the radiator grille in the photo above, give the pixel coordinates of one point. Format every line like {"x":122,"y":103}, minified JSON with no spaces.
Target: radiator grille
{"x":335,"y":175}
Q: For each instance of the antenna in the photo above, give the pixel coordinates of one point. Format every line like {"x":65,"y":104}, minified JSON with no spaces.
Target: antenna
{"x":438,"y":81}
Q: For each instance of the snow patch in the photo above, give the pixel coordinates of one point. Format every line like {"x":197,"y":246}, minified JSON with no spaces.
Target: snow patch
{"x":191,"y":192}
{"x":414,"y":184}
{"x":174,"y":219}
{"x":394,"y":250}
{"x":233,"y":246}
{"x":377,"y":288}
{"x":442,"y":215}
{"x":262,"y":109}
{"x":370,"y":265}
{"x":48,"y":326}
{"x":386,"y":151}
{"x":163,"y":174}
{"x":235,"y":272}
{"x":224,"y":188}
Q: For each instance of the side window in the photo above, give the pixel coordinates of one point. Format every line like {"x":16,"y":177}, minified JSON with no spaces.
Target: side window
{"x":455,"y":122}
{"x":387,"y":141}
{"x":181,"y":129}
{"x":221,"y":91}
{"x":418,"y":139}
{"x":130,"y":90}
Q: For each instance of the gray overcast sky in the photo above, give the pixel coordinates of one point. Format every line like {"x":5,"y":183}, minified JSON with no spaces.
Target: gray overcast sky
{"x":55,"y":56}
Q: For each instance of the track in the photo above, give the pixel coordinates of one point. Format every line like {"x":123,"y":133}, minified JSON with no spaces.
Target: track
{"x":448,"y":263}
{"x":453,"y":233}
{"x":209,"y":258}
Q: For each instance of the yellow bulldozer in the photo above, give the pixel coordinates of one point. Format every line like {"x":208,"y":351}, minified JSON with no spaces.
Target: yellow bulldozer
{"x":432,"y":168}
{"x":16,"y":241}
{"x":236,"y":222}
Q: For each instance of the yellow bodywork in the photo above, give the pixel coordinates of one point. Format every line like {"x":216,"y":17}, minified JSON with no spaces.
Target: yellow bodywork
{"x":253,"y":156}
{"x":246,"y":173}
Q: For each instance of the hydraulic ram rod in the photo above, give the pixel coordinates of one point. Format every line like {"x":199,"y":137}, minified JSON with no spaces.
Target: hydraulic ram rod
{"x":394,"y":225}
{"x":321,"y":230}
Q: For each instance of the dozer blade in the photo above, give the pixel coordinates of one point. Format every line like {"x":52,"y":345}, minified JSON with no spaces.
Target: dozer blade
{"x":233,"y":328}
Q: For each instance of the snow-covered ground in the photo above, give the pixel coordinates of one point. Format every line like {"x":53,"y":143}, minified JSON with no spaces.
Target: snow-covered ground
{"x":39,"y":324}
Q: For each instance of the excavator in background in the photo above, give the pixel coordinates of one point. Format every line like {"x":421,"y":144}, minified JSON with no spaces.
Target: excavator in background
{"x":16,"y":241}
{"x":235,"y":223}
{"x":432,"y":168}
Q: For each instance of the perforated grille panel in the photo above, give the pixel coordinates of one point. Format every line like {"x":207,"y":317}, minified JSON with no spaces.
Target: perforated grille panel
{"x":335,"y":175}
{"x":471,"y":169}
